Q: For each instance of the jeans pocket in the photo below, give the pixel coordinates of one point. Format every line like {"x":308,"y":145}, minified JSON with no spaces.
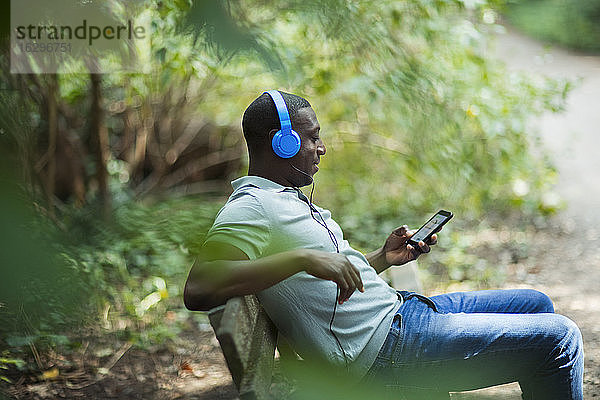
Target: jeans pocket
{"x":397,"y":348}
{"x":387,"y":349}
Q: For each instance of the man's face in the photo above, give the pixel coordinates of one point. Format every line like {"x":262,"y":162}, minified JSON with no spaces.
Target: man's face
{"x":312,"y":148}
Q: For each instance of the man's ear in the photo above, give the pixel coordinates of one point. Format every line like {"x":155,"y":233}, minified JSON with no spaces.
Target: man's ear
{"x":272,"y":133}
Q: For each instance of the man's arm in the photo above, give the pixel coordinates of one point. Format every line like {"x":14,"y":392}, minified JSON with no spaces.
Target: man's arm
{"x":377,"y":260}
{"x":395,"y":251}
{"x":223,"y":271}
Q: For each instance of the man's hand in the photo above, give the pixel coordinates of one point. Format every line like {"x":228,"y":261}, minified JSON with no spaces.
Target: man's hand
{"x":397,"y":252}
{"x":334,"y":267}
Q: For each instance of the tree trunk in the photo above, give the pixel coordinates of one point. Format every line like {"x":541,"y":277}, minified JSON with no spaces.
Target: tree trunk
{"x":99,"y":136}
{"x":52,"y":134}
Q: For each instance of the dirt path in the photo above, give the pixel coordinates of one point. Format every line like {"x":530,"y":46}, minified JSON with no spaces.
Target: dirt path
{"x":570,"y":267}
{"x":572,"y":137}
{"x":565,"y":260}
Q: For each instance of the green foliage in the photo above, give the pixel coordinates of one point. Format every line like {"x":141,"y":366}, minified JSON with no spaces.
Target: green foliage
{"x":415,"y":115}
{"x":138,"y":262}
{"x":39,"y":294}
{"x":5,"y":362}
{"x":126,"y":275}
{"x":404,"y":91}
{"x":60,"y":274}
{"x":570,"y":23}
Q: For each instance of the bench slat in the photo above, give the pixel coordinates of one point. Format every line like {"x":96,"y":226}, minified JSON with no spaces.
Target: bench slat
{"x":248,"y":339}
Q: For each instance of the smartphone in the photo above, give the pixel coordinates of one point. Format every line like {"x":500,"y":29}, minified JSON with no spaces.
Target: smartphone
{"x":430,"y":227}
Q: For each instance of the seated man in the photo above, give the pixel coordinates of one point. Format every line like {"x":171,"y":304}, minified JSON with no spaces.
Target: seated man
{"x":329,"y":302}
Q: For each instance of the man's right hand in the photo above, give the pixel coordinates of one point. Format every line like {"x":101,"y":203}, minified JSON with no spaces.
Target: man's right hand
{"x":334,"y":267}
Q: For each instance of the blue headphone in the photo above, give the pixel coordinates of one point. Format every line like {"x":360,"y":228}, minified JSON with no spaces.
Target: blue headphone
{"x":286,"y":142}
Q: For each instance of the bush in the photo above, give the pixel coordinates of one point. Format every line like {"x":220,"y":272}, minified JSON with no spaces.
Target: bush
{"x":569,"y":23}
{"x":137,"y":263}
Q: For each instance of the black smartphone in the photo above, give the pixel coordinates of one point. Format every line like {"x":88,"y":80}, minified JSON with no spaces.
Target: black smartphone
{"x":430,"y":227}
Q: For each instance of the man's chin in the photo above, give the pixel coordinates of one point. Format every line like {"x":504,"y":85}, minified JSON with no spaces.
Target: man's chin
{"x":304,"y":180}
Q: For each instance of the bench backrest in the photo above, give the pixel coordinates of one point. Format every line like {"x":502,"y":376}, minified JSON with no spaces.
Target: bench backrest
{"x":248,"y":338}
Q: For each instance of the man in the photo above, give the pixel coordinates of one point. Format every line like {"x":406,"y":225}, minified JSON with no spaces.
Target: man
{"x":329,"y":302}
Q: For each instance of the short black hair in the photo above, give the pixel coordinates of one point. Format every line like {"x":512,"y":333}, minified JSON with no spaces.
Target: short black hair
{"x":261,"y":117}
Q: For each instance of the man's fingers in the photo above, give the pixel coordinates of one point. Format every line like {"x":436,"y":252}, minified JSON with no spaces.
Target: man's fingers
{"x":348,"y":294}
{"x":401,"y":231}
{"x":355,"y":275}
{"x":433,"y":240}
{"x":349,"y":280}
{"x":424,"y":247}
{"x":355,"y":281}
{"x":344,"y":297}
{"x":343,"y":285}
{"x":351,"y":284}
{"x":415,"y":252}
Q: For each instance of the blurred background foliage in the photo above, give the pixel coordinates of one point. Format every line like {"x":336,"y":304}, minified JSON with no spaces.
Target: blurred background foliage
{"x":570,"y":23}
{"x":109,"y":182}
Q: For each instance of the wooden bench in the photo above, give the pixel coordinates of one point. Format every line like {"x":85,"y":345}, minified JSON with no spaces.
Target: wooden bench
{"x":248,"y":339}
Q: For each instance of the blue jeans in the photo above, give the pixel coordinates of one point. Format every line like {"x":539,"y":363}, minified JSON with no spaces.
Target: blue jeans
{"x":471,"y":340}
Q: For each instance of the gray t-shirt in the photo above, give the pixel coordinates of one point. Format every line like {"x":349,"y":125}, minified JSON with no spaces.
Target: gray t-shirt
{"x":262,"y":218}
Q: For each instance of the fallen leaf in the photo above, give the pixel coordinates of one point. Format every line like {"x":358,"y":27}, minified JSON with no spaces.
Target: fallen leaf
{"x":199,"y":374}
{"x":186,"y":367}
{"x":52,"y":373}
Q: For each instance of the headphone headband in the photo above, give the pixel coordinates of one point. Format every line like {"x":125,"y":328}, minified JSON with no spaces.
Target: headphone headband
{"x":282,"y":111}
{"x":286,"y":142}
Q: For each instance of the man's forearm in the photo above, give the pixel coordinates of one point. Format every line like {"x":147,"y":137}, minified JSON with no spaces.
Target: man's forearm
{"x":377,"y":260}
{"x":213,"y":283}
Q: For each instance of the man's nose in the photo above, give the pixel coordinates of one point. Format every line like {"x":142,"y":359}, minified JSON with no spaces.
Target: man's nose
{"x":321,"y":149}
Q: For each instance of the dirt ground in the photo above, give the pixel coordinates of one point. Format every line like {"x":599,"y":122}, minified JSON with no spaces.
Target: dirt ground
{"x":565,"y":264}
{"x":563,"y":261}
{"x":191,"y":367}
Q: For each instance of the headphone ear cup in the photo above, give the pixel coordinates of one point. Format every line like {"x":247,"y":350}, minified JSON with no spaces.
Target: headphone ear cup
{"x":286,"y":145}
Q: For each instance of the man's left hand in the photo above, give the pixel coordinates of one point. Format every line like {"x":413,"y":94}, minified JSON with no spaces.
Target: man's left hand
{"x":398,"y":252}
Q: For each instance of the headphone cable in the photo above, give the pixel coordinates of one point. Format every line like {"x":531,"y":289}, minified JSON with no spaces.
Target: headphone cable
{"x":313,"y":209}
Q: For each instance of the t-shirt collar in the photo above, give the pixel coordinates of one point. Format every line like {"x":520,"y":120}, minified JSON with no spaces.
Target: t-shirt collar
{"x":259,"y":182}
